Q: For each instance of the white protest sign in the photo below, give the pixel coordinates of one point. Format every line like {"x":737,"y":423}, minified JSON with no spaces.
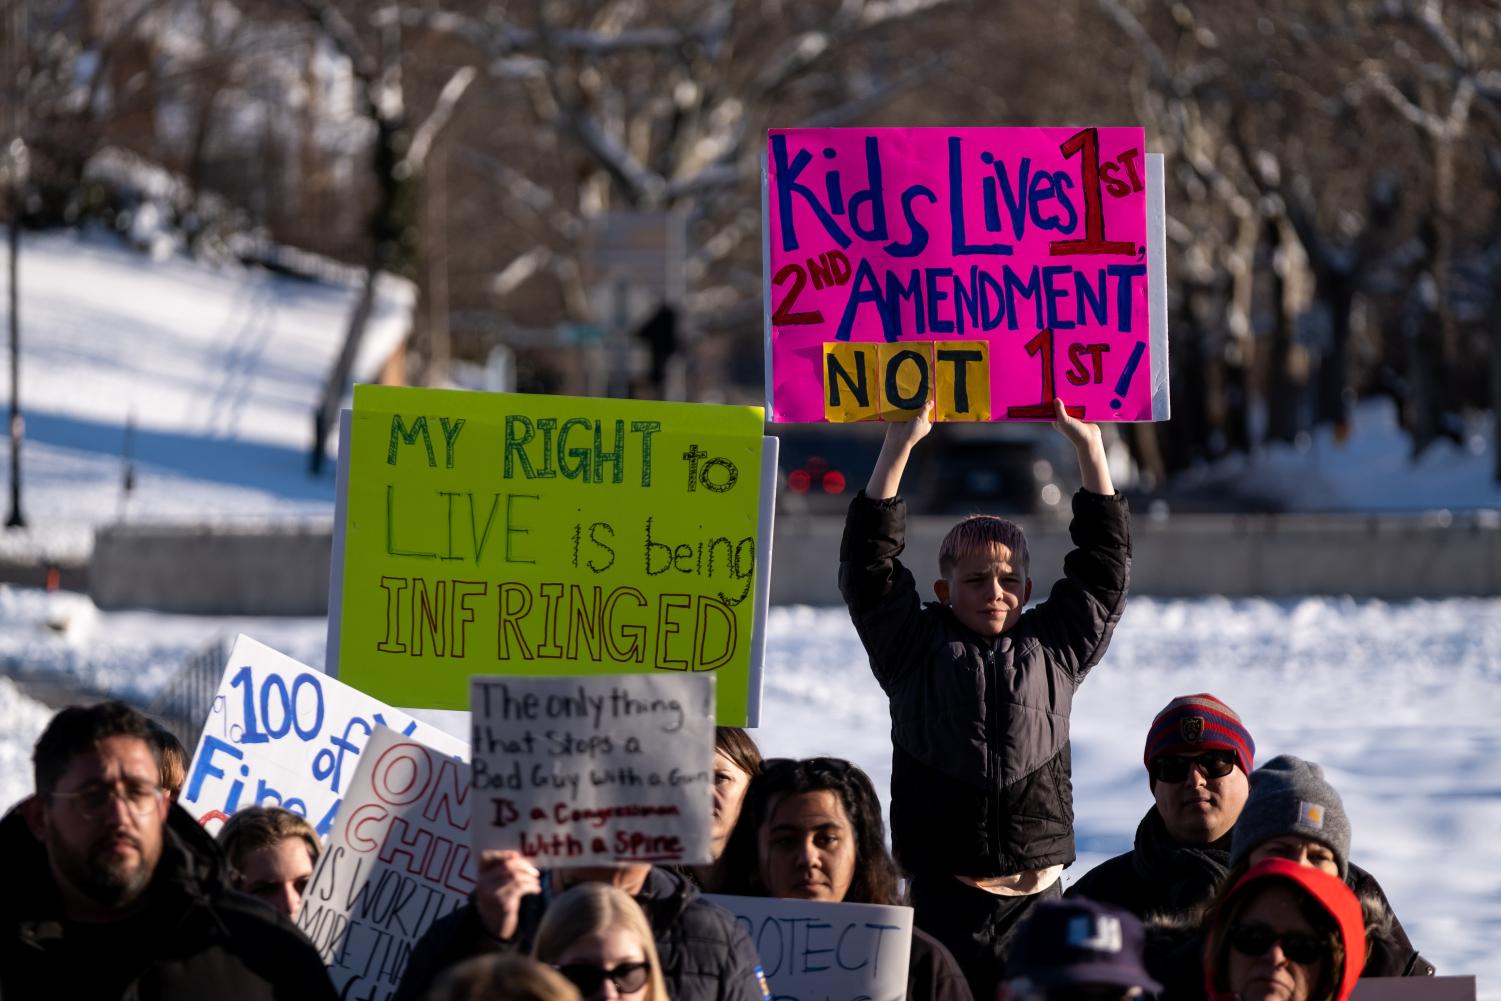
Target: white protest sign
{"x":398,"y":859}
{"x":1414,"y":989}
{"x":813,"y":950}
{"x":584,"y":770}
{"x":282,"y":734}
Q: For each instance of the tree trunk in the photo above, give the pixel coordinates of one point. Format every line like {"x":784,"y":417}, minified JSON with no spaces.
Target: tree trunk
{"x":1495,"y":325}
{"x":385,"y":230}
{"x":1282,"y":391}
{"x":16,"y":519}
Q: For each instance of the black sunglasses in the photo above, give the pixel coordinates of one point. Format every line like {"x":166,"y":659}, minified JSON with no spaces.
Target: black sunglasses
{"x":588,"y":978}
{"x":1174,"y":767}
{"x":1256,"y":939}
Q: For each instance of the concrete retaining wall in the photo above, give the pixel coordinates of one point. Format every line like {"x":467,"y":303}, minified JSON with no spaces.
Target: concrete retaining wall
{"x":1191,"y":555}
{"x":283,"y":570}
{"x":213,"y":569}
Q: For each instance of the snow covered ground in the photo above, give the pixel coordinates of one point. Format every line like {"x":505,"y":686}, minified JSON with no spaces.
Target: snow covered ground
{"x":1398,"y":702}
{"x":218,"y":369}
{"x":1370,"y":470}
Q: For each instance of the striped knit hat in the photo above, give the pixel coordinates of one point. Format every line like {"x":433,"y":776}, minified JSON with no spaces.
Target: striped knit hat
{"x":1201,"y":722}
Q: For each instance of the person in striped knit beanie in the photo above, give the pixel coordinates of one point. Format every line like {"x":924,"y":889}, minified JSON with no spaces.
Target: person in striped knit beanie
{"x":1198,"y":755}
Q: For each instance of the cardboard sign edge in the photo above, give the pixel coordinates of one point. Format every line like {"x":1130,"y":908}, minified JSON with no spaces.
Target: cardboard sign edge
{"x":1162,"y":408}
{"x":771,"y":401}
{"x":770,"y":450}
{"x":336,"y":554}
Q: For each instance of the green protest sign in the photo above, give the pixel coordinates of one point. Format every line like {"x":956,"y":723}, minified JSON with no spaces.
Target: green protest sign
{"x":514,"y":534}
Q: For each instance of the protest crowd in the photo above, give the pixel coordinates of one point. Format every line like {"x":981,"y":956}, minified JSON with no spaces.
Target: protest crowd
{"x":1239,"y":884}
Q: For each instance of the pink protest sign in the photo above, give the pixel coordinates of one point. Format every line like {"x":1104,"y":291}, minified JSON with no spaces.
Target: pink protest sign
{"x":992,"y":269}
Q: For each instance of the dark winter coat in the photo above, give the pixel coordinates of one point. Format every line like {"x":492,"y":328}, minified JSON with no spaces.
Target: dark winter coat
{"x":1160,"y":879}
{"x":705,"y":954}
{"x":981,"y":783}
{"x":932,"y":973}
{"x":196,"y":938}
{"x":1389,"y":952}
{"x":1170,"y":887}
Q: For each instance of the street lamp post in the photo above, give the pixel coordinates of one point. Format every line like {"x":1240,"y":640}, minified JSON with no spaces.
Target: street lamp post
{"x":15,"y":171}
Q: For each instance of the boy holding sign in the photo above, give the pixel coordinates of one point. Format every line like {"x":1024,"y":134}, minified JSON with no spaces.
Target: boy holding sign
{"x":980,"y":693}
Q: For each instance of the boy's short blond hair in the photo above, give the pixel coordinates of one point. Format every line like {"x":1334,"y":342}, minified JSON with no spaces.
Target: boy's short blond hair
{"x":981,"y":533}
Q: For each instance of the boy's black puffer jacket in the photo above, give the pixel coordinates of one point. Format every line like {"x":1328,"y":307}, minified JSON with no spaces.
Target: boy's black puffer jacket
{"x":981,"y":784}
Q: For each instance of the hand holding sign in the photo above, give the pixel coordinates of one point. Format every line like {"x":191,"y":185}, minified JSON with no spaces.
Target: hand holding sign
{"x":1094,"y":467}
{"x":504,"y":878}
{"x":886,"y":477}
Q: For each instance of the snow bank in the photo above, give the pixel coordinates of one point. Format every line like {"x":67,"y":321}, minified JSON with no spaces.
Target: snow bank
{"x":21,"y":722}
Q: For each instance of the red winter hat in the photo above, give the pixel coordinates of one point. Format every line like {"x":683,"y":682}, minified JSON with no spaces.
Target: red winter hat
{"x":1202,"y":722}
{"x":1332,"y":895}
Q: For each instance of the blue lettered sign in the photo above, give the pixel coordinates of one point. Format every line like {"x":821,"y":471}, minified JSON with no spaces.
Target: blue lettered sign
{"x":282,"y":734}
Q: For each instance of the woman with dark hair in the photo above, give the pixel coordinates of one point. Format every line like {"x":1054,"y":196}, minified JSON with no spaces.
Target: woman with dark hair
{"x":737,"y":760}
{"x":1284,"y":932}
{"x":811,"y":829}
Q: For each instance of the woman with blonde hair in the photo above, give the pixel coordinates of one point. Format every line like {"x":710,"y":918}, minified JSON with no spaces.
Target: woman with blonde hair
{"x":598,"y":938}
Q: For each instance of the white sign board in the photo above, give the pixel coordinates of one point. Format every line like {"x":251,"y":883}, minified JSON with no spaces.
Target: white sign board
{"x":585,"y":770}
{"x":282,"y":734}
{"x":398,"y":859}
{"x":816,"y":951}
{"x":1414,"y":989}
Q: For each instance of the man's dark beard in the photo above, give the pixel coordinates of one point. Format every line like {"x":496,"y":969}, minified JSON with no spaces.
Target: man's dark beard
{"x":108,"y":886}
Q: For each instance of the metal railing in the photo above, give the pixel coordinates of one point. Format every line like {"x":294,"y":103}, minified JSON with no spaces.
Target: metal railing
{"x":184,"y":702}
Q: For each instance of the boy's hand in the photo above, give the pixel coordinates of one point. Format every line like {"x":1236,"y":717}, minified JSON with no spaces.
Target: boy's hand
{"x":886,"y":478}
{"x":909,"y":433}
{"x":1082,"y":434}
{"x":1090,"y":448}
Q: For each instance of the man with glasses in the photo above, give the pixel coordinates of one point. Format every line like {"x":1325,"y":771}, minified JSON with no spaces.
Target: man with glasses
{"x":1198,"y":756}
{"x":114,"y":892}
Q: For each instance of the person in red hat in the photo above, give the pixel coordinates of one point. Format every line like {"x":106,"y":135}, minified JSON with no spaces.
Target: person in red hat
{"x":1198,"y":757}
{"x":1284,"y":932}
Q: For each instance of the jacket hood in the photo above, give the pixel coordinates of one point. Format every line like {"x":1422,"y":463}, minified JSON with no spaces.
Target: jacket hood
{"x":1332,"y":895}
{"x":666,"y":894}
{"x":191,"y":864}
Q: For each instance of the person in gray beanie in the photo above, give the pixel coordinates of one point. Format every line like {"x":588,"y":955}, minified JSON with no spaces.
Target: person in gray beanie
{"x":1292,"y":812}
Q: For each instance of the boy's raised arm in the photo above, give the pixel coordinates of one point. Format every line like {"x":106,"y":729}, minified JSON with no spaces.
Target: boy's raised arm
{"x":886,"y":478}
{"x":1085,"y":437}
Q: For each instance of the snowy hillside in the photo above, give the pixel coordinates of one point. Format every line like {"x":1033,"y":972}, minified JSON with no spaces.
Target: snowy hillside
{"x":218,"y":368}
